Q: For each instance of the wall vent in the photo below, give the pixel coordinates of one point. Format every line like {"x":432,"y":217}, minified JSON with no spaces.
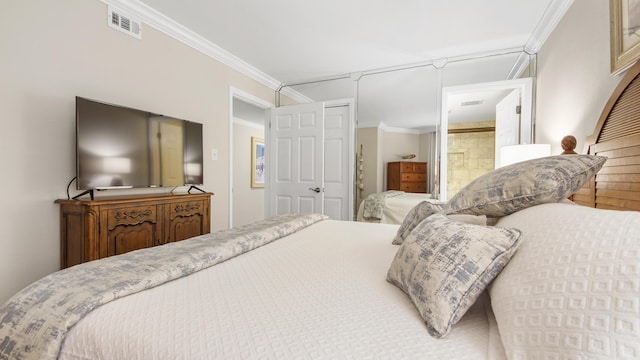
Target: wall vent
{"x":471,"y":102}
{"x":124,"y":22}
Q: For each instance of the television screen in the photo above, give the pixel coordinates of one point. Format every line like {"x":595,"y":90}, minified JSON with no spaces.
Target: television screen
{"x":120,"y":147}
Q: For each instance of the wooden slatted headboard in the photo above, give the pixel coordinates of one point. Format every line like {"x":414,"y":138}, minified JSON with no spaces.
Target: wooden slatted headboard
{"x":617,"y":136}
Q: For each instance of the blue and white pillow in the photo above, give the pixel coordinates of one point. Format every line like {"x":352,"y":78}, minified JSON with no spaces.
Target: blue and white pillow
{"x":521,"y":185}
{"x":444,"y":265}
{"x":414,"y":217}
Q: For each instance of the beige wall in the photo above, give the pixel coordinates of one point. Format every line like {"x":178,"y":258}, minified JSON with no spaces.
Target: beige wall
{"x":248,"y":202}
{"x":395,"y":145}
{"x":574,"y":82}
{"x":381,"y":147}
{"x":53,"y":51}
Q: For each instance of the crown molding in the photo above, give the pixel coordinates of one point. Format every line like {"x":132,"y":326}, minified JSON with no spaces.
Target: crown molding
{"x":166,"y":25}
{"x":519,"y":66}
{"x":384,"y":127}
{"x":551,"y":17}
{"x":289,"y":92}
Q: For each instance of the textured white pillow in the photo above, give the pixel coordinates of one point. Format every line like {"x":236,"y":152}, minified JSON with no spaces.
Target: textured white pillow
{"x":444,"y":266}
{"x":572,"y":291}
{"x":521,"y":185}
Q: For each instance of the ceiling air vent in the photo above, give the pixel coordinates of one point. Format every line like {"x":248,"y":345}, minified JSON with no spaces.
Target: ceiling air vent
{"x":124,"y":22}
{"x":471,"y":102}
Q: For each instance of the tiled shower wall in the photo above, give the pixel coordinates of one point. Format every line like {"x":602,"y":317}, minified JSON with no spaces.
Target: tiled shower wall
{"x":469,"y":155}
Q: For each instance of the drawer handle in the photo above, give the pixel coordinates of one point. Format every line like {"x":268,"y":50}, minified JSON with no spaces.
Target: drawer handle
{"x":134,"y":214}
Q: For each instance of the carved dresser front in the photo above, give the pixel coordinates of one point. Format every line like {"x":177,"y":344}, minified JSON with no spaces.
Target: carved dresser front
{"x":94,"y":229}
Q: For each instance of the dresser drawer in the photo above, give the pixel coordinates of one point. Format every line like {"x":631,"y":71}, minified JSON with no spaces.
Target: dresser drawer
{"x":410,"y":167}
{"x":413,"y":177}
{"x":187,"y":208}
{"x":420,"y":168}
{"x":414,"y":187}
{"x":131,"y":215}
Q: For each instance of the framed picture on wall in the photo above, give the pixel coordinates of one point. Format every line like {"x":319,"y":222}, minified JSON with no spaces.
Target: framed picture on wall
{"x":625,"y":33}
{"x":257,"y":162}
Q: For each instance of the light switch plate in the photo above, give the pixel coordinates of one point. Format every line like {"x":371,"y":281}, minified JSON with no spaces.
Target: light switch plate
{"x":214,"y":154}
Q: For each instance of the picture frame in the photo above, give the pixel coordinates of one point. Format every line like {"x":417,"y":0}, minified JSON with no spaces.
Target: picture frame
{"x":257,"y":162}
{"x":625,"y":34}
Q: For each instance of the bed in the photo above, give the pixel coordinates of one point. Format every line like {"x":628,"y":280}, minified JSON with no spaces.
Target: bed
{"x":551,"y":280}
{"x":390,"y":207}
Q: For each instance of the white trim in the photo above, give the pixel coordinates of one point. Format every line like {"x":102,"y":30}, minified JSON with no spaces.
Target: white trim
{"x":352,"y":146}
{"x":435,"y":63}
{"x":391,"y":129}
{"x":251,"y":124}
{"x":367,"y":125}
{"x":177,"y":31}
{"x":550,"y":19}
{"x":519,"y":66}
{"x":300,"y":98}
{"x":253,"y":100}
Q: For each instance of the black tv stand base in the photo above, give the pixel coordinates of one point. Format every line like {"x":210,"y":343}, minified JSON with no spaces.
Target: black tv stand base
{"x":195,"y":187}
{"x":90,"y":192}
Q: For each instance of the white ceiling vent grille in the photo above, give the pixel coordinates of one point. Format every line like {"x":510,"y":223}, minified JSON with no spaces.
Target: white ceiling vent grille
{"x":471,"y":102}
{"x":124,"y":22}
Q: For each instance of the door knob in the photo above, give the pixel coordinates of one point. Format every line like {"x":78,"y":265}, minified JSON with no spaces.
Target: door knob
{"x":316,"y":189}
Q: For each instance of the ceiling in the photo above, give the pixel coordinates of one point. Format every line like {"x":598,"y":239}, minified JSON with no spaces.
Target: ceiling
{"x":294,"y":41}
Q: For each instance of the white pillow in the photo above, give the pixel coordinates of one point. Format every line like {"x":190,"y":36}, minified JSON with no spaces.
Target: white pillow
{"x":572,"y":291}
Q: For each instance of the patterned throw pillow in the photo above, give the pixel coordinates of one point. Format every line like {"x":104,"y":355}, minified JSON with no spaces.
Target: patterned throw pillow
{"x":525,"y":184}
{"x":414,"y":217}
{"x":444,"y":266}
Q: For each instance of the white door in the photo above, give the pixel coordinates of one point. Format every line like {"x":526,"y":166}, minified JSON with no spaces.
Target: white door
{"x":507,"y":122}
{"x":296,"y":165}
{"x":338,"y":179}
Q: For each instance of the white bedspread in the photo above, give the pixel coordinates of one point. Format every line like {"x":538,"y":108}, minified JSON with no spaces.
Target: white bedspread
{"x":397,"y":207}
{"x":319,"y":293}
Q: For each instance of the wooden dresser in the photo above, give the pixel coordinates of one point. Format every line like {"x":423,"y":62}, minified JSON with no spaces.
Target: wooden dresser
{"x":407,"y":176}
{"x":94,"y":229}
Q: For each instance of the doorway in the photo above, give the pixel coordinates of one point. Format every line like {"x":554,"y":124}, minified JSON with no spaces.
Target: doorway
{"x":523,"y":123}
{"x":246,"y":121}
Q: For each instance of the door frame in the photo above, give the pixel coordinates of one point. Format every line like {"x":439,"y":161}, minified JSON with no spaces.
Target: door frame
{"x":526,"y":117}
{"x":352,"y":148}
{"x":253,"y":100}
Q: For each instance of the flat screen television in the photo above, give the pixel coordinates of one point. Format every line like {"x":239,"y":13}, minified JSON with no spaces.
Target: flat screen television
{"x":121,"y":147}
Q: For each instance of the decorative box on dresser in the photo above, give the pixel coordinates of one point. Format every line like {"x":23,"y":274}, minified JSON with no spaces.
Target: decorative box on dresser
{"x":407,"y":176}
{"x":94,"y":229}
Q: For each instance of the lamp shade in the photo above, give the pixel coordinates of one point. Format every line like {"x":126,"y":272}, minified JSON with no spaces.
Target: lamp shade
{"x":511,"y":154}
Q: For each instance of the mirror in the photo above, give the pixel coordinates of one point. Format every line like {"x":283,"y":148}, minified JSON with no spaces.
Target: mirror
{"x":496,"y":114}
{"x":401,"y":111}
